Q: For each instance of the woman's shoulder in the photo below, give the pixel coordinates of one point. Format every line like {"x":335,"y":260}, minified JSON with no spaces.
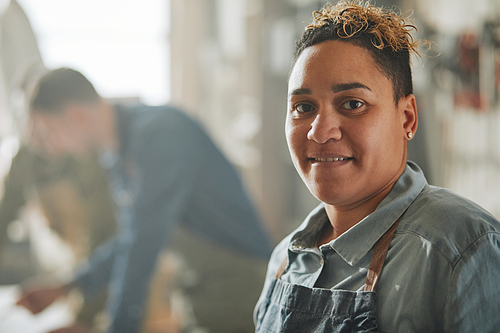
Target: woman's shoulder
{"x":448,"y":221}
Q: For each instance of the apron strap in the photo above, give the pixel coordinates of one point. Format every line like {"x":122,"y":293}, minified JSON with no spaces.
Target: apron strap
{"x":282,"y":268}
{"x":378,"y":257}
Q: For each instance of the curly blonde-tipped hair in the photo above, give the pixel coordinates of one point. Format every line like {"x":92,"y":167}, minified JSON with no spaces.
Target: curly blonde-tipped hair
{"x":352,"y":17}
{"x":385,"y":34}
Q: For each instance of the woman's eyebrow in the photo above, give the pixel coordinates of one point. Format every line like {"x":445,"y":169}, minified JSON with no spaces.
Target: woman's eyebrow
{"x":335,"y":88}
{"x":348,"y":86}
{"x":300,"y":91}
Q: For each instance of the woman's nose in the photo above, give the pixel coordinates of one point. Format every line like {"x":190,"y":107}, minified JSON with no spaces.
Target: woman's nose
{"x":325,"y":126}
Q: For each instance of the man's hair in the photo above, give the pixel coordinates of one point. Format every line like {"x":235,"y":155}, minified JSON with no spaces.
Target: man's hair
{"x":382,"y":32}
{"x":59,"y":88}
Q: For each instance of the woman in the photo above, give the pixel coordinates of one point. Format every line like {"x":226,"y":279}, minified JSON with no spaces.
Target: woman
{"x":350,"y":114}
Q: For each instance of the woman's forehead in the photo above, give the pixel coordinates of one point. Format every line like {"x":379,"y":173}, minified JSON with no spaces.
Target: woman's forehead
{"x":335,"y":63}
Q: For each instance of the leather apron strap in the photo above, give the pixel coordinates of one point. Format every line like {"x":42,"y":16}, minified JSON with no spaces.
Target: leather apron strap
{"x":378,"y":257}
{"x":376,"y":264}
{"x":281,"y":269}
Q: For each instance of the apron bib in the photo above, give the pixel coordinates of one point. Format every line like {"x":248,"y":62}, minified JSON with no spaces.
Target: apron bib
{"x":293,"y":308}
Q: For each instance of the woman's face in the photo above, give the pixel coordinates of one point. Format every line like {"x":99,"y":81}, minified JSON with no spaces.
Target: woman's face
{"x":346,"y":135}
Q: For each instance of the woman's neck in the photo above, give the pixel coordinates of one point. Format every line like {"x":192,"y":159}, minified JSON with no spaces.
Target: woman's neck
{"x":344,"y":217}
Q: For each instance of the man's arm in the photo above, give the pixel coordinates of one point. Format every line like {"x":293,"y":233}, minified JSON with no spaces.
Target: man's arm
{"x":36,"y":296}
{"x":94,"y":276}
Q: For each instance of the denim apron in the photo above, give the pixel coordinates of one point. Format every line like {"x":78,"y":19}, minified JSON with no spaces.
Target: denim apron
{"x":293,"y":308}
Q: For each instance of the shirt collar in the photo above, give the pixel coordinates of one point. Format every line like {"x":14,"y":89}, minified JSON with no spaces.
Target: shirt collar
{"x":355,"y":243}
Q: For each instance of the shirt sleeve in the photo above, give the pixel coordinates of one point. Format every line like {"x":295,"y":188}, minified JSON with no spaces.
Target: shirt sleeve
{"x":473,"y":301}
{"x":92,"y":277}
{"x":222,"y":211}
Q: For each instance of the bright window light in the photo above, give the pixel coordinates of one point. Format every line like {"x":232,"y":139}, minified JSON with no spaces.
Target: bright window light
{"x":122,"y":46}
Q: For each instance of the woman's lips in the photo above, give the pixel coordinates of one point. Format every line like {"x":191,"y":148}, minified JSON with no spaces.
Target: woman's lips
{"x":330,"y":159}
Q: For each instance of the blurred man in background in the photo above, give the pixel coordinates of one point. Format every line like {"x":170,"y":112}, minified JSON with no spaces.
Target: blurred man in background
{"x":164,"y":171}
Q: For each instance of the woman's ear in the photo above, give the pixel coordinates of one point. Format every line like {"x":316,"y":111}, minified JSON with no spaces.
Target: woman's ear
{"x":409,"y":107}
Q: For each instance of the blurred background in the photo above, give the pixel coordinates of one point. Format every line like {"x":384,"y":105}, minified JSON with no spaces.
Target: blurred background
{"x":226,"y":62}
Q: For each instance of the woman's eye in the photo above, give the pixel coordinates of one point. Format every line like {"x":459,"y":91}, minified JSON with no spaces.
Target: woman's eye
{"x":351,"y":105}
{"x":304,"y":108}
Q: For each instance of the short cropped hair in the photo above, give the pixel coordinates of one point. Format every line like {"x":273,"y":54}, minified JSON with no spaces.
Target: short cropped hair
{"x":385,"y":34}
{"x":59,"y":88}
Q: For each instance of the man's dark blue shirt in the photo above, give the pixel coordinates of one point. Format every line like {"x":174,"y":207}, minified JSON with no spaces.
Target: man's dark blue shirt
{"x":167,"y":172}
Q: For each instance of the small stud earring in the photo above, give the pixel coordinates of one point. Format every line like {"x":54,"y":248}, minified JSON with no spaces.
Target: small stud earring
{"x":410,"y":135}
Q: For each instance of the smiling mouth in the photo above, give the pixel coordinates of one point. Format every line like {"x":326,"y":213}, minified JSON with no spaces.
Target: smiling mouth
{"x":331,"y":159}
